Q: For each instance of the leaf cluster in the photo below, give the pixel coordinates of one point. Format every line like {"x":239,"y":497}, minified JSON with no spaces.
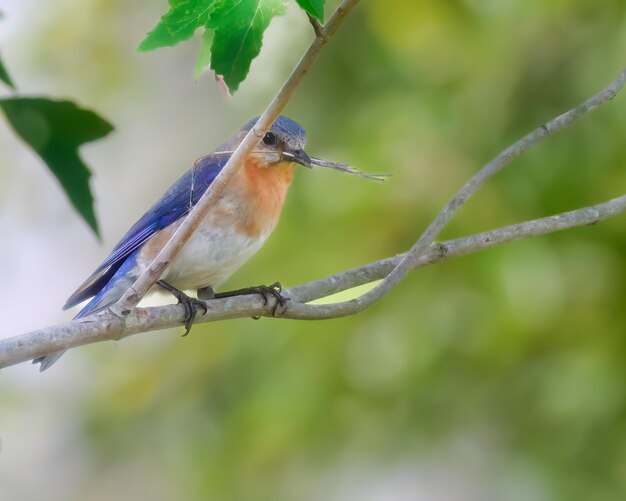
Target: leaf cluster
{"x":233,"y":34}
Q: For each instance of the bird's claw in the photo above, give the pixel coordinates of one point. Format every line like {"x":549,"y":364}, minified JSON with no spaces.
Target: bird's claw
{"x":190,"y":304}
{"x":266,"y":291}
{"x":274,"y":291}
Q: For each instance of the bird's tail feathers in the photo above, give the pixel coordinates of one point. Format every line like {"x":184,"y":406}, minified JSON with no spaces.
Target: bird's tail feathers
{"x":110,"y":294}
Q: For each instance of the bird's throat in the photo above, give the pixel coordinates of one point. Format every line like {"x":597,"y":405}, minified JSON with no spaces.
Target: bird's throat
{"x":265,"y":189}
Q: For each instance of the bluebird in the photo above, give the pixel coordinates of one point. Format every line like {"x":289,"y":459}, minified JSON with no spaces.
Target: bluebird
{"x":234,"y":229}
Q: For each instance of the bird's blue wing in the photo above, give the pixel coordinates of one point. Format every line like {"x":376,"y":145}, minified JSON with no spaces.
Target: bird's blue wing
{"x":175,"y":203}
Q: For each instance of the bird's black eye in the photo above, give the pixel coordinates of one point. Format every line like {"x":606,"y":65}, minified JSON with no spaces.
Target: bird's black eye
{"x":269,"y":139}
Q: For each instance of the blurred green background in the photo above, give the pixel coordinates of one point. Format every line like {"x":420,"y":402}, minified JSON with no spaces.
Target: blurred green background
{"x":496,"y":376}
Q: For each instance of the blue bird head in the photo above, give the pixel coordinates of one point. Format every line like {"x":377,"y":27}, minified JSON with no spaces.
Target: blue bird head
{"x":285,"y":141}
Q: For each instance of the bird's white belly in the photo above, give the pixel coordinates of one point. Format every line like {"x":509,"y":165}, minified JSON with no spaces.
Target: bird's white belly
{"x":211,"y":255}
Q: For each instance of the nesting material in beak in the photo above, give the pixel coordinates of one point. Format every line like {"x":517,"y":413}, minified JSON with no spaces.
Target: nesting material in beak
{"x":347,"y":169}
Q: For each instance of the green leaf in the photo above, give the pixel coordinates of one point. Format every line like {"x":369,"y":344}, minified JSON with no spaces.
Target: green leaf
{"x":313,"y":7}
{"x":179,"y":23}
{"x":238,"y":25}
{"x":55,"y":130}
{"x":239,"y":29}
{"x":4,"y":76}
{"x":204,"y":56}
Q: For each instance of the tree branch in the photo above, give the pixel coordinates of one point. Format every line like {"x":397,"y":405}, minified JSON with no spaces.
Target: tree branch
{"x":106,"y":326}
{"x":147,"y":279}
{"x":438,"y":252}
{"x":454,"y":205}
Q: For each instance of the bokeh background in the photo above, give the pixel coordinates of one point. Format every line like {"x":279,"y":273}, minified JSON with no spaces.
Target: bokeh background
{"x":496,"y":376}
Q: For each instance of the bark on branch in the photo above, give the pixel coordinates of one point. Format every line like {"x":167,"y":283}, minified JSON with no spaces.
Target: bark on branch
{"x":108,"y":326}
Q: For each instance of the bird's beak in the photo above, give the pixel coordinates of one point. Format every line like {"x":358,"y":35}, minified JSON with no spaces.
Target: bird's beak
{"x":299,"y":157}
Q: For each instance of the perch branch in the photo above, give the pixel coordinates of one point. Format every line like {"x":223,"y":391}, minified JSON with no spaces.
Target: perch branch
{"x":107,"y":326}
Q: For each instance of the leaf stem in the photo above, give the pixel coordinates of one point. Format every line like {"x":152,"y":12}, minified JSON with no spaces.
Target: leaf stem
{"x":317,"y":27}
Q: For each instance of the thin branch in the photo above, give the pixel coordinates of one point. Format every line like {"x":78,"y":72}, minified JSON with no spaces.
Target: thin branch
{"x":438,"y":252}
{"x":107,"y":326}
{"x":147,"y":279}
{"x":453,"y":206}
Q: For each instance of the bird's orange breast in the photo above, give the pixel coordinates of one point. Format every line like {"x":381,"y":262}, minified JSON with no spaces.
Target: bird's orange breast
{"x":264,"y":189}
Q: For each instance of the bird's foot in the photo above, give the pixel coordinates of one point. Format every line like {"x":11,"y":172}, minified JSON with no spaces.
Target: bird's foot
{"x":190,"y":304}
{"x":266,"y":291}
